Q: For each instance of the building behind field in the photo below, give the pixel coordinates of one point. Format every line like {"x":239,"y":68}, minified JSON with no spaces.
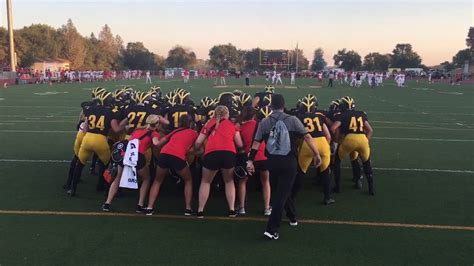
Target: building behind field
{"x":57,"y":64}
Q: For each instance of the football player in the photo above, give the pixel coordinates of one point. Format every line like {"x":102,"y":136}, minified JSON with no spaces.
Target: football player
{"x":180,"y":104}
{"x":229,"y":100}
{"x":100,"y":120}
{"x":357,"y":131}
{"x":264,"y":98}
{"x":331,"y":116}
{"x":205,"y":111}
{"x":314,"y":123}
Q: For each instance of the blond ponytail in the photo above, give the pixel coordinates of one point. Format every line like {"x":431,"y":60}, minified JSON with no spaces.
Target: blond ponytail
{"x":220,"y":113}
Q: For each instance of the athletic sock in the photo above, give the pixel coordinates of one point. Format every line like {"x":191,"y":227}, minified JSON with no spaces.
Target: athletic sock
{"x":100,"y":179}
{"x":72,"y":166}
{"x":337,"y":172}
{"x":77,"y":175}
{"x":326,"y":184}
{"x":355,"y":170}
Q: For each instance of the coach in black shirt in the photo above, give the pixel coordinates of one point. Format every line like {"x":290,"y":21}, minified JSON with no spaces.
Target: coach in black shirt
{"x":283,"y":168}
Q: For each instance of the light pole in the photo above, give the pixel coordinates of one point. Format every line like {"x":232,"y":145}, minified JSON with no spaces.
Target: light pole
{"x":10,"y":36}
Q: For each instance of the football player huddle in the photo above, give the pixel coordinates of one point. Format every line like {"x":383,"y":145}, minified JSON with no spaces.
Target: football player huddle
{"x":151,"y":135}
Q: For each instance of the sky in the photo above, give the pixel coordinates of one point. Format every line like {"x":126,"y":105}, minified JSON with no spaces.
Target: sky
{"x":436,"y":29}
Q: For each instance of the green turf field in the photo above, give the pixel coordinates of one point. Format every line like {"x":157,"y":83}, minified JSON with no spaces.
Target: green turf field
{"x":423,"y":213}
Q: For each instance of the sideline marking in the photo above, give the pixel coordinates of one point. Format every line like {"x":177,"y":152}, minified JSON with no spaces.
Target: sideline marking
{"x":50,"y":93}
{"x":451,"y":92}
{"x":375,"y":168}
{"x":254,"y":219}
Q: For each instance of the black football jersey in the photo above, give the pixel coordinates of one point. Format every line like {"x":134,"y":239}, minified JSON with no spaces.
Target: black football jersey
{"x":175,"y":112}
{"x":352,"y":122}
{"x":99,"y":118}
{"x":136,"y":115}
{"x":314,"y":123}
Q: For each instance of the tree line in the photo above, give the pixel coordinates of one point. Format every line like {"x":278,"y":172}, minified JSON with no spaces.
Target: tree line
{"x":108,"y":52}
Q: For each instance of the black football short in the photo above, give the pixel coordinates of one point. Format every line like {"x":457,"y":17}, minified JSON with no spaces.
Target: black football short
{"x":261,"y":165}
{"x":167,"y":161}
{"x":219,"y":160}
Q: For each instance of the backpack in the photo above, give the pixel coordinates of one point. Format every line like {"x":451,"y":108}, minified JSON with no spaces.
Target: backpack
{"x":278,"y":142}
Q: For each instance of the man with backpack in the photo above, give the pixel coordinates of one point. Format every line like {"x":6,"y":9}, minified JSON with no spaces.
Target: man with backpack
{"x":281,"y":133}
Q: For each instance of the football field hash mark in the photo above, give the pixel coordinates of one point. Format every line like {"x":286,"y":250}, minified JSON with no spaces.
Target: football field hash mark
{"x":241,"y":219}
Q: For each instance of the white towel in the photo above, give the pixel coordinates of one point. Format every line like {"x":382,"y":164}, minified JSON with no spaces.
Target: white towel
{"x":130,"y":160}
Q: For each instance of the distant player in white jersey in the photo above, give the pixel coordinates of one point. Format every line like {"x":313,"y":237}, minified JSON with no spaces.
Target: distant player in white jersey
{"x":370,"y":80}
{"x":148,"y":78}
{"x":379,"y":79}
{"x":292,"y":75}
{"x":353,"y":80}
{"x":278,"y":79}
{"x":274,"y":76}
{"x":400,"y":79}
{"x":320,"y":78}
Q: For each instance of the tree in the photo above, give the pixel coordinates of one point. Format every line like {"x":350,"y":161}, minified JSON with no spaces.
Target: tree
{"x":179,"y":56}
{"x":303,"y":62}
{"x":448,"y":66}
{"x":348,"y":60}
{"x":403,"y":56}
{"x":470,"y":39}
{"x":159,"y":62}
{"x":224,"y":56}
{"x":461,"y":57}
{"x":252,"y":60}
{"x":136,"y":56}
{"x":3,"y":45}
{"x":318,"y":60}
{"x":376,"y":61}
{"x":74,"y":46}
{"x":35,"y":41}
{"x":110,"y":46}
